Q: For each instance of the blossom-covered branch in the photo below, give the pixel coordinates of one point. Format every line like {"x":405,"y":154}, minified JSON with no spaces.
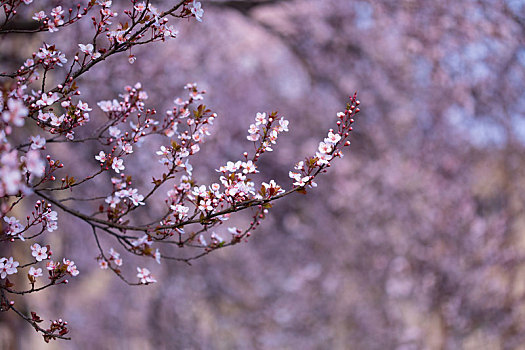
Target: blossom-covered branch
{"x":35,"y":114}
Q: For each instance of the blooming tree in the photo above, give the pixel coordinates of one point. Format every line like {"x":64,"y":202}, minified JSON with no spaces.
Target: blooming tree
{"x":41,"y":106}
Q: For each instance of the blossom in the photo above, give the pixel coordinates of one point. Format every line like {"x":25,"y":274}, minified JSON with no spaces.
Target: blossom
{"x":125,"y":146}
{"x":118,"y":165}
{"x":163,"y":151}
{"x":323,"y":158}
{"x":140,"y":7}
{"x":103,"y":264}
{"x":115,"y":256}
{"x":83,"y":106}
{"x":34,"y":164}
{"x":253,"y":137}
{"x":37,"y":142}
{"x":299,"y":180}
{"x":57,"y":11}
{"x":272,"y":188}
{"x":35,"y":272}
{"x":56,"y":120}
{"x":114,"y":131}
{"x":15,"y":113}
{"x":47,"y":99}
{"x":44,"y":116}
{"x":40,"y":253}
{"x":8,"y":267}
{"x":142,"y":240}
{"x":325,"y":147}
{"x":105,"y":3}
{"x":14,"y":227}
{"x":283,"y":125}
{"x":109,"y":106}
{"x":332,"y":138}
{"x":136,"y":199}
{"x":180,"y":209}
{"x":145,"y":276}
{"x":38,"y":16}
{"x":249,"y":167}
{"x":199,"y":191}
{"x":71,"y":267}
{"x":260,"y":119}
{"x":113,"y":253}
{"x":87,"y":49}
{"x":205,"y":205}
{"x":101,"y":157}
{"x":51,"y":218}
{"x":197,"y":10}
{"x":51,"y":265}
{"x":112,"y":201}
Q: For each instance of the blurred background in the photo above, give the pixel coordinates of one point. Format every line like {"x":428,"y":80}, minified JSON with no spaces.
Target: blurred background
{"x":414,"y":240}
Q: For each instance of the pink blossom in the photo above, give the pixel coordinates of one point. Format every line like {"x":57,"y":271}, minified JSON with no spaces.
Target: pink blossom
{"x":51,"y":265}
{"x":101,"y":157}
{"x":180,"y":209}
{"x":260,"y":119}
{"x":14,"y":227}
{"x":103,"y":264}
{"x":57,"y":11}
{"x":47,"y":99}
{"x":87,"y":49}
{"x":325,"y":147}
{"x":249,"y":167}
{"x":109,"y":106}
{"x":140,"y":7}
{"x":8,"y":267}
{"x":112,"y":201}
{"x":34,"y":164}
{"x":114,"y":131}
{"x":38,"y":16}
{"x":253,"y":129}
{"x":323,"y":158}
{"x":197,"y":10}
{"x":83,"y":106}
{"x":56,"y":120}
{"x":137,"y":199}
{"x":118,"y":165}
{"x":145,"y":276}
{"x":15,"y":112}
{"x":71,"y":267}
{"x":142,"y":240}
{"x":283,"y":125}
{"x":37,"y":142}
{"x":35,"y":272}
{"x":40,"y":253}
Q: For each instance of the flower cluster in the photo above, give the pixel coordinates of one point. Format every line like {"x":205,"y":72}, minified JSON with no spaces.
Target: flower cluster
{"x":8,"y":267}
{"x":145,"y":276}
{"x":40,"y":107}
